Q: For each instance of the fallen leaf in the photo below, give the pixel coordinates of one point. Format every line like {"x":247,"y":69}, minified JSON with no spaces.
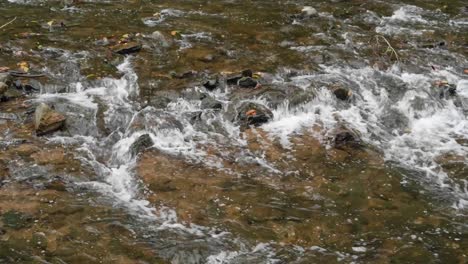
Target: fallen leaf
{"x":4,"y":69}
{"x":175,"y":33}
{"x":251,"y":112}
{"x":50,"y":23}
{"x":24,"y":66}
{"x":465,"y":71}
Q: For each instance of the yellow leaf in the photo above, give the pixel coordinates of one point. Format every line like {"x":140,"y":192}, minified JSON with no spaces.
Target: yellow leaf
{"x":50,"y":23}
{"x":24,"y":66}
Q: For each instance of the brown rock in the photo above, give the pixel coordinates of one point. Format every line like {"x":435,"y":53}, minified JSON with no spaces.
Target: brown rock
{"x":47,"y":120}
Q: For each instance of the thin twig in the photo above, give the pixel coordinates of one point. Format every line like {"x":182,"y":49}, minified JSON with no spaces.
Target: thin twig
{"x":389,"y":47}
{"x":8,"y":23}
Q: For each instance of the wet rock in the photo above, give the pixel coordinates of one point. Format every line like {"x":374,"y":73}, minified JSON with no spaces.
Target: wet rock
{"x":345,"y":137}
{"x":394,"y":119}
{"x":341,"y":92}
{"x":247,"y":82}
{"x":154,"y":119}
{"x":127,"y":48}
{"x":159,"y":102}
{"x":80,"y":120}
{"x":253,"y":114}
{"x":194,"y":94}
{"x":32,"y":85}
{"x":211,"y":84}
{"x":142,"y":143}
{"x":301,"y":97}
{"x":211,"y":103}
{"x":47,"y":120}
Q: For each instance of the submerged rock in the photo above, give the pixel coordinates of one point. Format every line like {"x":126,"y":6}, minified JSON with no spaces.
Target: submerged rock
{"x":345,"y":137}
{"x":47,"y":120}
{"x":16,"y":220}
{"x":142,"y":143}
{"x":160,"y":39}
{"x":253,"y":114}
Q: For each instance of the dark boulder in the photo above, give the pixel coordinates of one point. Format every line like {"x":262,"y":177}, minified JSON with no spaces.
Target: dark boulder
{"x":127,"y":48}
{"x":142,"y":143}
{"x":211,"y":84}
{"x":234,"y":79}
{"x":247,"y":73}
{"x":253,"y":114}
{"x":247,"y":82}
{"x":341,"y":93}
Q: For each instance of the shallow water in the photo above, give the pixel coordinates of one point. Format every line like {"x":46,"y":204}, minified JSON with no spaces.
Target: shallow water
{"x":208,"y":190}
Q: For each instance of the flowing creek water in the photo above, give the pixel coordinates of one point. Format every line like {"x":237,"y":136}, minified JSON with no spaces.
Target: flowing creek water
{"x":153,"y":166}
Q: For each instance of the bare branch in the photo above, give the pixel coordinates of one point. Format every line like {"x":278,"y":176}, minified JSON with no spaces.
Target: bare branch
{"x":11,"y":21}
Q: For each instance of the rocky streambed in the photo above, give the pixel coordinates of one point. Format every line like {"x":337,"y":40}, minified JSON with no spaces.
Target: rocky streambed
{"x":233,"y":131}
